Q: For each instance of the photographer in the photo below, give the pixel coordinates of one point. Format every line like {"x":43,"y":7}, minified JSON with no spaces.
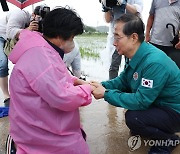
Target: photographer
{"x":73,"y":61}
{"x":113,"y":10}
{"x":10,"y":28}
{"x":38,"y":16}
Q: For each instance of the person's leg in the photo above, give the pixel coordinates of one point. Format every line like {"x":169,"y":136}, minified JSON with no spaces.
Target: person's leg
{"x":10,"y":145}
{"x":3,"y":70}
{"x":115,"y":63}
{"x":157,"y":123}
{"x":4,"y":86}
{"x":173,"y":53}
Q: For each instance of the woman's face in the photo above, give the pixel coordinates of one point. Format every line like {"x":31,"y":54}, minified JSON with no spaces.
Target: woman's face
{"x":68,"y":45}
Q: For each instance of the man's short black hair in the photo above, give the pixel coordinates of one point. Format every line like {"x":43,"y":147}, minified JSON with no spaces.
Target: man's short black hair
{"x":62,"y":22}
{"x":133,"y":24}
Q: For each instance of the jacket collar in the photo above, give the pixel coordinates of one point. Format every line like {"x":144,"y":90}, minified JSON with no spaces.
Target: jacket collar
{"x":59,"y":50}
{"x":140,"y":53}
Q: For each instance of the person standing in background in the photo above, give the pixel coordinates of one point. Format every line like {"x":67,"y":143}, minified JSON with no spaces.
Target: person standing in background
{"x":10,"y":27}
{"x":111,"y":14}
{"x":73,"y":60}
{"x":163,"y":27}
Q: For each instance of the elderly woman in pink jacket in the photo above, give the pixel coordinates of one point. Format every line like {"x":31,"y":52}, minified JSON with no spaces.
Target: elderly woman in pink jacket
{"x":45,"y":98}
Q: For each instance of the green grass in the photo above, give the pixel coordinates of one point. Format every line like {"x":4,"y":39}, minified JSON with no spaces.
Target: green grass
{"x":94,"y":35}
{"x":88,"y":53}
{"x":91,"y":45}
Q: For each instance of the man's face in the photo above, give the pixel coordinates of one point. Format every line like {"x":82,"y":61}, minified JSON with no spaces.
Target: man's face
{"x":121,"y":41}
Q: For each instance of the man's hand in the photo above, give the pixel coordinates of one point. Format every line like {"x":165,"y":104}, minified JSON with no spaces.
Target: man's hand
{"x":95,"y":83}
{"x":92,"y":88}
{"x":99,"y":91}
{"x":177,"y":46}
{"x":33,"y":26}
{"x":82,"y":82}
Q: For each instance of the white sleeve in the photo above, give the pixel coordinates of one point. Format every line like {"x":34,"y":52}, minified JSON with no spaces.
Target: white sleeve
{"x":139,"y":5}
{"x":15,"y":23}
{"x":76,"y":64}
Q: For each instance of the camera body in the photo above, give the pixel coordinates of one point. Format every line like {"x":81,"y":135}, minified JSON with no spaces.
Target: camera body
{"x":109,"y":3}
{"x":40,"y":12}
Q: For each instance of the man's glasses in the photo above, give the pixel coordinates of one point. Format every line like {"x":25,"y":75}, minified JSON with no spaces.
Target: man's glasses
{"x":117,"y":38}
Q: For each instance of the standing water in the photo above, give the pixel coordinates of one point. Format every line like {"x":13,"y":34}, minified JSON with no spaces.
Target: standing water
{"x":95,"y":59}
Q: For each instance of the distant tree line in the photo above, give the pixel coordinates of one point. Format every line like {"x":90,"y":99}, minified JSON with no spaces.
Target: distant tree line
{"x":89,"y":29}
{"x":99,"y":29}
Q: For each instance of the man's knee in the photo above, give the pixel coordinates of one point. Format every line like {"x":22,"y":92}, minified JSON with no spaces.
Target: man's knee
{"x":132,"y":119}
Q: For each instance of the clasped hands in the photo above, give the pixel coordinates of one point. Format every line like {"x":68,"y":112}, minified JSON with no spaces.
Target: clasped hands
{"x":96,"y":88}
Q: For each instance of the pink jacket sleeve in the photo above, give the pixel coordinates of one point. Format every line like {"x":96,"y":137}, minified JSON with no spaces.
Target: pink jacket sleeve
{"x":59,"y":92}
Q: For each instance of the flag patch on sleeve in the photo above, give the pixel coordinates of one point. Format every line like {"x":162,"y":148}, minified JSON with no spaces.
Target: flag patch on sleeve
{"x":147,"y":83}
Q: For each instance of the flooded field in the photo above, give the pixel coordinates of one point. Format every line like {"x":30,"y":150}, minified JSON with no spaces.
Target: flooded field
{"x":95,"y":58}
{"x":94,"y":65}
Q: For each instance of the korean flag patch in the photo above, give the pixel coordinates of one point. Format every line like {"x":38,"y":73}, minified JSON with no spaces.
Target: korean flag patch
{"x":147,"y":83}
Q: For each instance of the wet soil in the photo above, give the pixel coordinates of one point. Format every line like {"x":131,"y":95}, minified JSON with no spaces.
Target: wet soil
{"x":105,"y":128}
